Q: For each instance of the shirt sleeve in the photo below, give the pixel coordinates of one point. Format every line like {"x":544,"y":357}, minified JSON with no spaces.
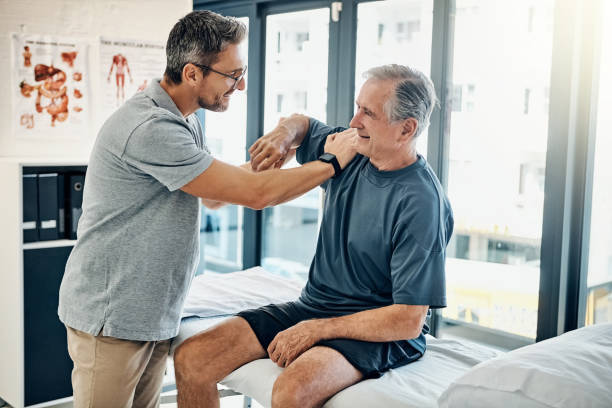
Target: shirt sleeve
{"x":417,"y":273}
{"x":314,"y":141}
{"x":166,"y":149}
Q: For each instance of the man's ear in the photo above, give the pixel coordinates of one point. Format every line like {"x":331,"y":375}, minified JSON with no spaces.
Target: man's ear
{"x":190,"y":74}
{"x":409,"y":128}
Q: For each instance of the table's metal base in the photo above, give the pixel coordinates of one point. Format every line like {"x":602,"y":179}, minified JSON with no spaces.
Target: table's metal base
{"x":226,"y":392}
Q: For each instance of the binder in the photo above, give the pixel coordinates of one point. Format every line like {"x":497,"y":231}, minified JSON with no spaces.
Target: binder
{"x":75,"y":198}
{"x":61,"y":206}
{"x":48,"y":208}
{"x":30,"y":208}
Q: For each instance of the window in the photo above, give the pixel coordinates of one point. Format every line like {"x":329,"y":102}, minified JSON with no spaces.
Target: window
{"x":526,"y":102}
{"x":471,"y":97}
{"x":221,"y":230}
{"x":301,"y":100}
{"x":496,"y":170}
{"x":381,"y":30}
{"x":530,"y":16}
{"x":300,"y":39}
{"x":457,"y":100}
{"x":599,"y":278}
{"x":406,"y":30}
{"x":410,"y":44}
{"x":531,"y":181}
{"x":299,"y":73}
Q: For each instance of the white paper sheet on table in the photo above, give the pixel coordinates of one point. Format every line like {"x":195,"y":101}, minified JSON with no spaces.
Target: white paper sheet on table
{"x":416,"y":385}
{"x":216,"y":294}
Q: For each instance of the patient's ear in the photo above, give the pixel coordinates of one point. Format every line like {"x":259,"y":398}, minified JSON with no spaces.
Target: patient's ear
{"x":409,"y":128}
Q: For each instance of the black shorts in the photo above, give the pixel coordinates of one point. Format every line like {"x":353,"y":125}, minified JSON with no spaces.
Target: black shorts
{"x":372,"y":359}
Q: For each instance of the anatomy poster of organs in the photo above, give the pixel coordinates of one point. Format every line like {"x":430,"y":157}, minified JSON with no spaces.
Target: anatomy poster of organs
{"x":50,"y":77}
{"x":127,"y":67}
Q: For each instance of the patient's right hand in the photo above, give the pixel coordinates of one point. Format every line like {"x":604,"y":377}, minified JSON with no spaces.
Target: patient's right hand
{"x":342,"y":145}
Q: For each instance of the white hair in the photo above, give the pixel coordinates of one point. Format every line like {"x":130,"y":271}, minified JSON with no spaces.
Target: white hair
{"x":414,"y":97}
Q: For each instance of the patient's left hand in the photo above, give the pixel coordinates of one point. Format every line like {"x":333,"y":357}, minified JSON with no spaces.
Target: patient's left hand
{"x":291,"y":343}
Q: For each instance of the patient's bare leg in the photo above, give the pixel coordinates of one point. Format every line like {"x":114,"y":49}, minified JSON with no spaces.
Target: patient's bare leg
{"x":208,"y":357}
{"x":313,"y":378}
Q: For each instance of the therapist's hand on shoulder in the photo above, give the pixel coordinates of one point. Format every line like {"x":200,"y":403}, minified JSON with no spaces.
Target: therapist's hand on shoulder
{"x":292,"y":342}
{"x":342,"y":145}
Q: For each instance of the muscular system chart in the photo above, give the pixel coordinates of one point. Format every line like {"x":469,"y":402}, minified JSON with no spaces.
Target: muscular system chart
{"x":126,"y":67}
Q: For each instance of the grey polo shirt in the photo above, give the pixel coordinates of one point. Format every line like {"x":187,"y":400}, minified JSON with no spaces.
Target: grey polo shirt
{"x":138,"y":236}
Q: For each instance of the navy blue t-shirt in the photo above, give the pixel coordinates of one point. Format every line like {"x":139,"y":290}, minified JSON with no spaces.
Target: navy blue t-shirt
{"x":383,"y":236}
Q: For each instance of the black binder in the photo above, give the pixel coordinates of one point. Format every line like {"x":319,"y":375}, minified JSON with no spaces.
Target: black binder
{"x":75,"y":197}
{"x":61,"y":206}
{"x":30,"y":208}
{"x":48,"y":206}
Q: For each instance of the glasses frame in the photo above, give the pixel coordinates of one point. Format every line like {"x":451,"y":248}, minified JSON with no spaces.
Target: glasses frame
{"x":236,"y":79}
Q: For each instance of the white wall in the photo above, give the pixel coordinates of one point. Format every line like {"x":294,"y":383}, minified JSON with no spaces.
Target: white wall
{"x":131,"y":19}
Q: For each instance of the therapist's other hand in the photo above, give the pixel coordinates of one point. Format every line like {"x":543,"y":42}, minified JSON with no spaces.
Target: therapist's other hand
{"x":273,"y":149}
{"x":291,"y":343}
{"x":342,"y":145}
{"x":212,"y":204}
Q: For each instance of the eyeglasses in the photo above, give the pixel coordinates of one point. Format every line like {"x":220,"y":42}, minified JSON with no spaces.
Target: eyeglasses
{"x":236,"y":79}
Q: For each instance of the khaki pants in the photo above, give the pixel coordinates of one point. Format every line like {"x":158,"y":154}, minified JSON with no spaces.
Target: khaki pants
{"x":115,"y":373}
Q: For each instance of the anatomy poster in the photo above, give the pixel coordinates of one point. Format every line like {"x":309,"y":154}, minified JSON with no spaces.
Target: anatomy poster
{"x":127,"y":67}
{"x":50,"y":77}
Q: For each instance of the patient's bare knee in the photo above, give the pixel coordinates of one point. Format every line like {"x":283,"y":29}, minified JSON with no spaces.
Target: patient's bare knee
{"x":288,"y":392}
{"x":190,"y":364}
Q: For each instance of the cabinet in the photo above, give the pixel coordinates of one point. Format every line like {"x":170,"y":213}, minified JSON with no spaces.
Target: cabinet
{"x":35,"y":366}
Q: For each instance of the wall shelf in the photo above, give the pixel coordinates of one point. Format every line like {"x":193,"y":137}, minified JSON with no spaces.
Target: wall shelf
{"x":49,"y":244}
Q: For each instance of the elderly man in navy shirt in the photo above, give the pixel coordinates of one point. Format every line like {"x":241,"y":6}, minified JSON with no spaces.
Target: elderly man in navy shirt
{"x":378,"y":266}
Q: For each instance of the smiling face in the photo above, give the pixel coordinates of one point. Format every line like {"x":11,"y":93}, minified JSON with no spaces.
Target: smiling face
{"x":379,"y":139}
{"x":216,"y":89}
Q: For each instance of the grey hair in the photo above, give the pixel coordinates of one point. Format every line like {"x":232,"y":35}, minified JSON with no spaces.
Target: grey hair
{"x":198,"y":38}
{"x":414,"y":97}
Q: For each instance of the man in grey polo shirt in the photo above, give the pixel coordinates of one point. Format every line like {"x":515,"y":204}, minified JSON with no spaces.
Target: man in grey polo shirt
{"x":137,"y":248}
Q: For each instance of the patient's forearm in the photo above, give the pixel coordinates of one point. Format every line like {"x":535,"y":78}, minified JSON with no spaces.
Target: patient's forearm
{"x":299,"y":127}
{"x":274,"y":146}
{"x":389,"y":323}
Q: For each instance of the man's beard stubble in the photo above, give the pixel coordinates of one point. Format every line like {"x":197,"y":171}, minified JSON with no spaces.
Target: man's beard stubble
{"x":216,"y":106}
